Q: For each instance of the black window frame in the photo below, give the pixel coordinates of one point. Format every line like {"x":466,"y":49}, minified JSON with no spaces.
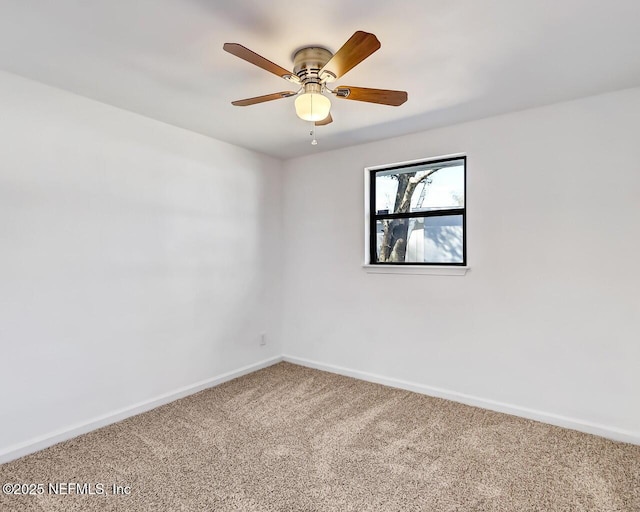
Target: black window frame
{"x":374,"y":216}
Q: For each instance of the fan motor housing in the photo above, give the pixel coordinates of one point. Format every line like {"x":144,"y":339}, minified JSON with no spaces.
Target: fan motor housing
{"x":307,"y":63}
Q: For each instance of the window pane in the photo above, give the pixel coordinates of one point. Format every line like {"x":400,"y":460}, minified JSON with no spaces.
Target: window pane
{"x":420,"y":188}
{"x":430,"y":240}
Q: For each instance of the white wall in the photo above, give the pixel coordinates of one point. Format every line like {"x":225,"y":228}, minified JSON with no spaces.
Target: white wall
{"x":136,"y":258}
{"x":547,"y":317}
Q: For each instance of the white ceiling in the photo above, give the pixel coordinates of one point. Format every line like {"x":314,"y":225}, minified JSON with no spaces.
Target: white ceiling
{"x":458,"y":59}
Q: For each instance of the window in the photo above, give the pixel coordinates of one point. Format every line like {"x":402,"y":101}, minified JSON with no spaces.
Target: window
{"x":417,"y":213}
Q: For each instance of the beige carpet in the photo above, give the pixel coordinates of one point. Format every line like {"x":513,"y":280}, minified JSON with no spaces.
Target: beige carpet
{"x":289,"y":438}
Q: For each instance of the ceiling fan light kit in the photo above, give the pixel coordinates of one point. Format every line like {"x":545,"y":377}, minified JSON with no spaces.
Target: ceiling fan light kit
{"x":313,"y":68}
{"x":312,"y":105}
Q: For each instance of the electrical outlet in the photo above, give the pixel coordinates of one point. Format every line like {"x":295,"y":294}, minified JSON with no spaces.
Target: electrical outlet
{"x":263,"y":339}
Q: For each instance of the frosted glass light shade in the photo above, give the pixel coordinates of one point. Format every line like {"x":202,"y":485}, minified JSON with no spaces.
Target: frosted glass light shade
{"x":312,"y":106}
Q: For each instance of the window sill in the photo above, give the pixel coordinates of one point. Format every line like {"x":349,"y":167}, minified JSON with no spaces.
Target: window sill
{"x":430,"y":270}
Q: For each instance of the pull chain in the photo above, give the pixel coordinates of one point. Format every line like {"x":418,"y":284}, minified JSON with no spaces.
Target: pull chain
{"x":313,"y":134}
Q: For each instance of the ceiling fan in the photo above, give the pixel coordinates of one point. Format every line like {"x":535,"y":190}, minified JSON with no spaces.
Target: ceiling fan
{"x":313,"y":68}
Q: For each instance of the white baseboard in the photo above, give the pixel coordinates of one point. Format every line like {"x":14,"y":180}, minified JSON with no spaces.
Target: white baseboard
{"x":609,"y":432}
{"x":41,"y":442}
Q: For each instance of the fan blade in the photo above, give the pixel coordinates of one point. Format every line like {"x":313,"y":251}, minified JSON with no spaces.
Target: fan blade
{"x":382,"y":96}
{"x":262,"y":99}
{"x":359,"y":46}
{"x":326,"y":120}
{"x":244,"y":53}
